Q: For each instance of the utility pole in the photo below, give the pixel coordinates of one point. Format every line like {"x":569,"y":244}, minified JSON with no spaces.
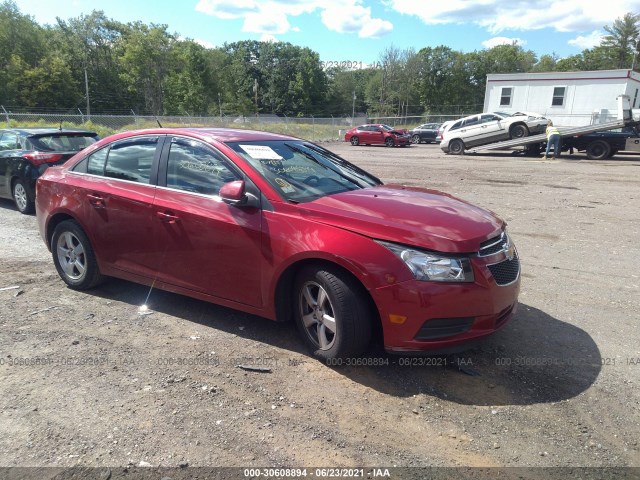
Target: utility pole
{"x":220,"y":108}
{"x":255,"y":92}
{"x":353,"y":107}
{"x":86,"y":88}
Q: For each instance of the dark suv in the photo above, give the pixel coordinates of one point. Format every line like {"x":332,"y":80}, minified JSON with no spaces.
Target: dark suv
{"x":25,"y":153}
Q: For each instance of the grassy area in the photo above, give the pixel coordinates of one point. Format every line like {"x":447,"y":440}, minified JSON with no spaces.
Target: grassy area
{"x":313,"y":132}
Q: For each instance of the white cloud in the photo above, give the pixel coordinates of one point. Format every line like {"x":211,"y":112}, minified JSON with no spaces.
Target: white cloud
{"x":272,"y":24}
{"x":227,"y":9}
{"x":272,"y":16}
{"x":267,"y":37}
{"x":587,"y":41}
{"x":204,"y":43}
{"x":495,"y":41}
{"x":499,"y":15}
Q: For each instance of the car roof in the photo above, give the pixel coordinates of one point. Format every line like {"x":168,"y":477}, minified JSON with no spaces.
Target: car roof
{"x":45,"y":130}
{"x":218,"y":134}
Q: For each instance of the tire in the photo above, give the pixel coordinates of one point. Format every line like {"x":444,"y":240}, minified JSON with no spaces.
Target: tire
{"x":612,"y":153}
{"x":355,"y":141}
{"x":533,"y":150}
{"x":73,"y":256}
{"x":456,"y":146}
{"x":389,"y":142}
{"x":598,"y":150}
{"x":415,"y":139}
{"x":519,"y":131}
{"x":24,"y":203}
{"x":331,"y":313}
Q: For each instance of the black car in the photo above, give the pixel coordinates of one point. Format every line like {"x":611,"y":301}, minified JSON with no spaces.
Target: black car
{"x":25,"y":153}
{"x":424,"y":133}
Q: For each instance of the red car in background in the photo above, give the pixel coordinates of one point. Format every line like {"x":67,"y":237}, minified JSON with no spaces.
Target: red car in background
{"x":378,"y":134}
{"x":282,"y":228}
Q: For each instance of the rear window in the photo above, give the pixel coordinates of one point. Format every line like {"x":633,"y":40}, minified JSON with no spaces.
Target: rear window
{"x":63,"y":142}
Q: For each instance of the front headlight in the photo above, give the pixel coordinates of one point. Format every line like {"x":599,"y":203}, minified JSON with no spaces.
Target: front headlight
{"x":429,"y":266}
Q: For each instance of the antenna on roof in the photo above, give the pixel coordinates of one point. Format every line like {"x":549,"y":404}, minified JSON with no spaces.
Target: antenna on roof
{"x":60,"y":126}
{"x":158,"y":122}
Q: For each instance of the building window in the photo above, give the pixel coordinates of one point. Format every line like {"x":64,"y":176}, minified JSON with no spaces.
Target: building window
{"x":558,"y":96}
{"x":505,"y":97}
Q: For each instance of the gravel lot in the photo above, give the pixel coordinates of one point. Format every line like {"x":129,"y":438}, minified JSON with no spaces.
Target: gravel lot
{"x":86,"y":380}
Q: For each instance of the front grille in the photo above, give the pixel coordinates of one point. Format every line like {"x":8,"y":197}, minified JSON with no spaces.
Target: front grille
{"x":493,"y":245}
{"x":505,"y":272}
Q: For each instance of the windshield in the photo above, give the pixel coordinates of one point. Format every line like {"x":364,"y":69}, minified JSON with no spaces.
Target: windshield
{"x":387,"y":127}
{"x":63,"y":142}
{"x":301,"y":171}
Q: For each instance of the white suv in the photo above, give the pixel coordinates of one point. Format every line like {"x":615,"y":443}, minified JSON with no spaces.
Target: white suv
{"x":484,"y":128}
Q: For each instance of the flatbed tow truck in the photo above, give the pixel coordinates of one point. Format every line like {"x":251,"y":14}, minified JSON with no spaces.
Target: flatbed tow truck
{"x":598,"y":141}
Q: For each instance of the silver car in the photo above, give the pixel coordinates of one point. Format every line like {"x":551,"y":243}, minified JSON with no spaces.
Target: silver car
{"x":476,"y":130}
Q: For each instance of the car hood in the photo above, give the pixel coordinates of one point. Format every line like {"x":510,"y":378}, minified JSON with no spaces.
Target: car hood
{"x":409,"y":215}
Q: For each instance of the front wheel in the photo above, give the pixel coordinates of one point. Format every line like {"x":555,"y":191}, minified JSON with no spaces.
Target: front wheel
{"x":415,"y":139}
{"x":456,"y":147}
{"x":24,"y":203}
{"x":73,"y":256}
{"x":355,"y":141}
{"x":331,"y":313}
{"x":389,"y":142}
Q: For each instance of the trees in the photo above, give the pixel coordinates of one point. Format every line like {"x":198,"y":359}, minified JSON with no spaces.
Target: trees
{"x":622,"y":40}
{"x":147,"y":69}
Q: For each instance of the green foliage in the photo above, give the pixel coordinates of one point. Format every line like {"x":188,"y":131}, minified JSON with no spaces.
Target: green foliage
{"x":145,"y":68}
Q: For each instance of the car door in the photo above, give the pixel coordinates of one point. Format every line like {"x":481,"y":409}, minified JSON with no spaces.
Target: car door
{"x":8,"y":146}
{"x":377,"y":135}
{"x":203,"y":243}
{"x":116,"y":194}
{"x":472,"y":131}
{"x":493,"y":128}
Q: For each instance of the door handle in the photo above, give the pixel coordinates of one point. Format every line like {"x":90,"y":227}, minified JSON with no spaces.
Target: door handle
{"x":167,"y":217}
{"x":96,"y":200}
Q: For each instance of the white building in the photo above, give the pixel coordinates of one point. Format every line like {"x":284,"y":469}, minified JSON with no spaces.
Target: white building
{"x":567,"y":98}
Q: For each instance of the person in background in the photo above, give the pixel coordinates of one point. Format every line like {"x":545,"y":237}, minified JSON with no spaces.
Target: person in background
{"x":553,"y":136}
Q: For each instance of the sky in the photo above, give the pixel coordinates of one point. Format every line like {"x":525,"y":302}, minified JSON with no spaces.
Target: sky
{"x":358,"y":31}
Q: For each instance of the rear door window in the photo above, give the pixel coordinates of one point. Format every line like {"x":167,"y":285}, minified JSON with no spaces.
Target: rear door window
{"x":131,"y":160}
{"x":8,"y":141}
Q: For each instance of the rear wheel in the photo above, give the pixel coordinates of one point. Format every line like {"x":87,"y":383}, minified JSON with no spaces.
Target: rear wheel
{"x":598,"y":150}
{"x":456,"y":146}
{"x":355,"y":141}
{"x":331,"y":313}
{"x":519,"y":131}
{"x":24,"y":203}
{"x":389,"y":142}
{"x":73,"y":256}
{"x":612,"y":152}
{"x":415,"y":139}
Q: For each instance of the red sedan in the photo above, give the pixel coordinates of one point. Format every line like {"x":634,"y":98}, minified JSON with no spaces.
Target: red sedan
{"x":377,"y":134}
{"x":282,"y":228}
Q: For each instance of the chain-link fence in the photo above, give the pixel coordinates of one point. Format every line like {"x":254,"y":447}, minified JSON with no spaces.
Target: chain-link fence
{"x":316,"y":128}
{"x":312,"y":128}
